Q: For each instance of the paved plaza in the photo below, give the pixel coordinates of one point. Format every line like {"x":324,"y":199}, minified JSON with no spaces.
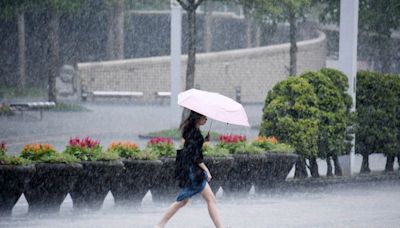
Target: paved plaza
{"x":352,"y":206}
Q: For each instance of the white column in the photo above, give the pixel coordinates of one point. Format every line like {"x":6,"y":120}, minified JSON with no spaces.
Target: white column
{"x":176,"y":33}
{"x":348,"y":57}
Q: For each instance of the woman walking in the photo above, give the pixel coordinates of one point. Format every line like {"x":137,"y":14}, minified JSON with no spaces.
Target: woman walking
{"x":191,"y":172}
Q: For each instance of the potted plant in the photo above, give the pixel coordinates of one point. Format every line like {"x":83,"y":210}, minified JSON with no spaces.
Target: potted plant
{"x":165,"y":185}
{"x":247,"y":159}
{"x":99,"y":169}
{"x":15,"y":172}
{"x":55,"y":175}
{"x":280,"y":159}
{"x":141,"y":169}
{"x":219,"y":162}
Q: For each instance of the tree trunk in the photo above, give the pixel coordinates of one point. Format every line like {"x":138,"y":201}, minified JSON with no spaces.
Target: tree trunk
{"x":248,"y":30}
{"x":300,"y":169}
{"x":21,"y":53}
{"x":338,"y":168}
{"x":365,"y":164}
{"x":190,"y":69}
{"x":119,"y":30}
{"x":54,"y":55}
{"x":115,"y":39}
{"x":258,"y":36}
{"x":314,"y":167}
{"x":207,"y":27}
{"x":389,"y":163}
{"x":293,"y":45}
{"x":329,"y":172}
{"x":110,"y":36}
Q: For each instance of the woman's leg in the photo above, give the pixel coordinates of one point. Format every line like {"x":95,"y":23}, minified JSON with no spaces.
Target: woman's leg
{"x":208,"y":195}
{"x":171,"y":211}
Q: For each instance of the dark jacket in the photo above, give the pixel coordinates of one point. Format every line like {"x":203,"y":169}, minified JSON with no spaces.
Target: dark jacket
{"x":190,"y":156}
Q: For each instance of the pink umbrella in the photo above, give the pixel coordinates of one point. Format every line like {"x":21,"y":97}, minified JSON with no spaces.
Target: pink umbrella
{"x":214,"y":106}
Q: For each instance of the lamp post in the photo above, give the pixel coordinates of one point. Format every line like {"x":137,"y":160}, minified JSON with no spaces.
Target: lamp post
{"x":348,"y":58}
{"x":176,"y":33}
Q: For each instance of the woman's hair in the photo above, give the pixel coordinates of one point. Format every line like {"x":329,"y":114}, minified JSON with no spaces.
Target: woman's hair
{"x":189,"y":123}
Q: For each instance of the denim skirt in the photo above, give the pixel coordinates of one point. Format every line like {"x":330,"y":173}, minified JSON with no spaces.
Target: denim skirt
{"x":197,"y":187}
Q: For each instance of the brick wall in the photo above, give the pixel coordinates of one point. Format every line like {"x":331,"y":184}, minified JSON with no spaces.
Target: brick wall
{"x":255,"y":70}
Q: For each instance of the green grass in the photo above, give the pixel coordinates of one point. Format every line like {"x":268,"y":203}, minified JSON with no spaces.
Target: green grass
{"x":6,"y":92}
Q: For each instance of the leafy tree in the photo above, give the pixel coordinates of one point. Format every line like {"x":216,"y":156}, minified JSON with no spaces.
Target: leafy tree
{"x":115,"y":38}
{"x":377,"y":19}
{"x":54,"y":9}
{"x":275,"y":11}
{"x":16,"y":9}
{"x":291,"y":114}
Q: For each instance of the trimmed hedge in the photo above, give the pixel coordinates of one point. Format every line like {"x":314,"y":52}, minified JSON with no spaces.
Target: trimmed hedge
{"x":291,"y":114}
{"x":378,"y":107}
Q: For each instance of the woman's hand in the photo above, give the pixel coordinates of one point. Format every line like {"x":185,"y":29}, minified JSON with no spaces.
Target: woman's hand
{"x":209,"y":177}
{"x":207,"y":138}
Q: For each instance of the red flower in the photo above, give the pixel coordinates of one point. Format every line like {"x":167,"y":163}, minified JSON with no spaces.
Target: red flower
{"x":231,"y":138}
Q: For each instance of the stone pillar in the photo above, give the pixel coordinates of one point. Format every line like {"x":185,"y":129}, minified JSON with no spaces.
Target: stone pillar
{"x":348,"y":58}
{"x":176,"y":43}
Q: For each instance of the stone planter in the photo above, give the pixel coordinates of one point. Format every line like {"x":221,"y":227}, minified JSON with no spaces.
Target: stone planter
{"x":50,"y":185}
{"x":165,"y":187}
{"x":274,"y":170}
{"x":94,"y":182}
{"x":13,"y":179}
{"x":219,"y":168}
{"x":243,"y":173}
{"x":136,"y":179}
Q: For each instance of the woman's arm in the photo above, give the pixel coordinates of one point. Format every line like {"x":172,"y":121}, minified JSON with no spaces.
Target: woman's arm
{"x":204,"y":167}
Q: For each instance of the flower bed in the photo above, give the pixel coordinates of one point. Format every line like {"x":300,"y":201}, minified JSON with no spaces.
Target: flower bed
{"x":15,"y":173}
{"x":141,"y":169}
{"x":99,"y":169}
{"x":55,"y":175}
{"x":165,"y":185}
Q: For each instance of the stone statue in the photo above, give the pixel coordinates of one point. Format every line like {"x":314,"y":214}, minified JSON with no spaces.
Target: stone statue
{"x":65,"y":83}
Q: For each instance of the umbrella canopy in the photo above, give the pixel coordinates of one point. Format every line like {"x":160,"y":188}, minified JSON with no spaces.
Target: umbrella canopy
{"x":214,"y":106}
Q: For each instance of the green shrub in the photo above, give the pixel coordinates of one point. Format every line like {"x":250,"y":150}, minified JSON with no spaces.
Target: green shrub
{"x":107,"y":156}
{"x":291,"y":114}
{"x":146,"y":154}
{"x":214,"y":151}
{"x":377,"y":115}
{"x":14,"y":160}
{"x":333,"y":119}
{"x":282,"y":147}
{"x":340,"y":81}
{"x":60,"y":158}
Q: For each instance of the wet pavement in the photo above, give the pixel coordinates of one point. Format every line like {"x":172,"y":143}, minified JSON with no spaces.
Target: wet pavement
{"x":353,"y":206}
